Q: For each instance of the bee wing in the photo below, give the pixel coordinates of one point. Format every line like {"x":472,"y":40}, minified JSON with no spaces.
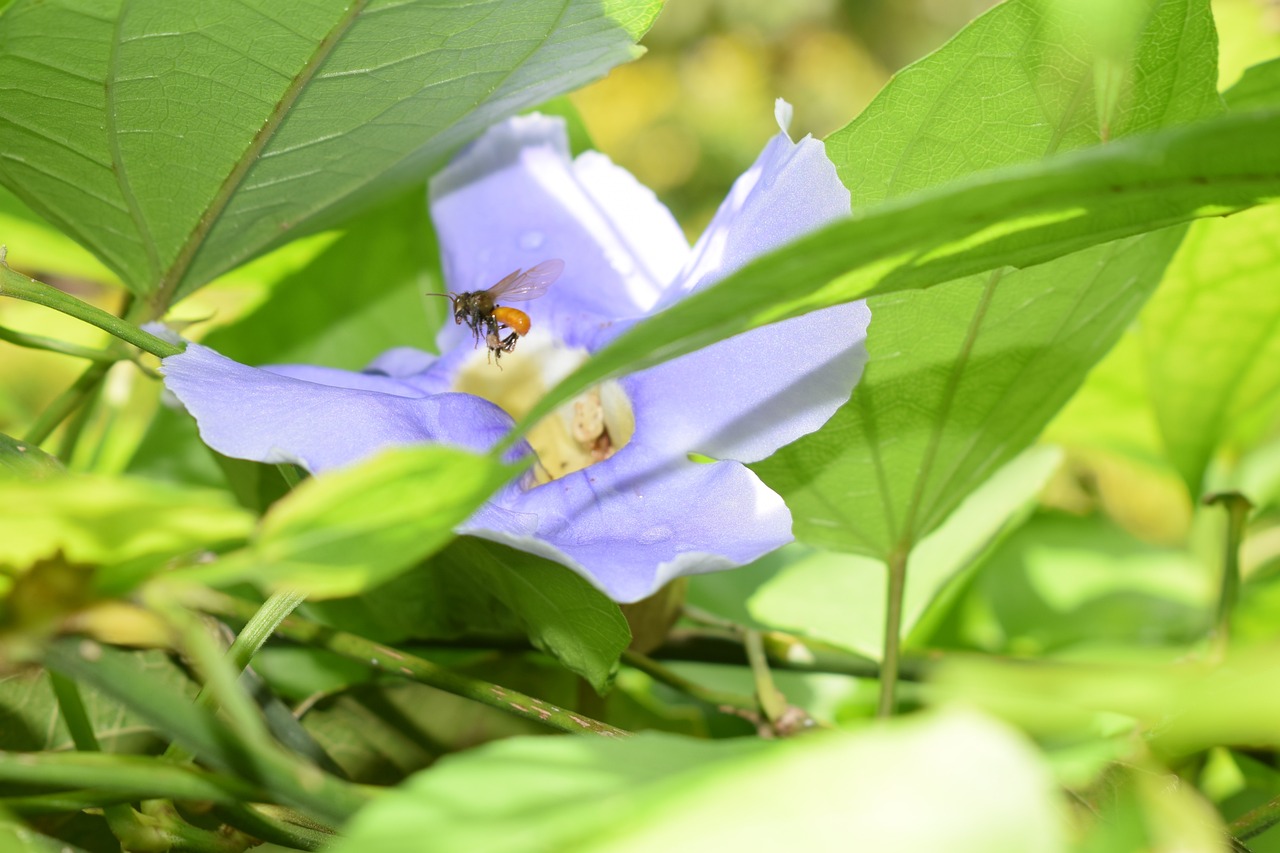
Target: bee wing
{"x":529,"y":284}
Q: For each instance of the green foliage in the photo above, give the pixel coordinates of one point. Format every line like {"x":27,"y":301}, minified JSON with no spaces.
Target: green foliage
{"x":980,"y":786}
{"x":23,"y":459}
{"x":478,"y":589}
{"x":353,"y":529}
{"x":172,"y":173}
{"x":1065,"y":233}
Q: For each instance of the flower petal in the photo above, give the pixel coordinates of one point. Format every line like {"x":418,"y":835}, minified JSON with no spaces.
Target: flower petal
{"x":790,"y":190}
{"x":514,"y":199}
{"x":250,"y":413}
{"x":745,"y":397}
{"x":633,"y":522}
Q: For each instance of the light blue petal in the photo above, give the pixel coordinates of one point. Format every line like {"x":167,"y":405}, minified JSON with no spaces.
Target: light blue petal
{"x":633,"y":522}
{"x":514,"y":198}
{"x":249,"y":413}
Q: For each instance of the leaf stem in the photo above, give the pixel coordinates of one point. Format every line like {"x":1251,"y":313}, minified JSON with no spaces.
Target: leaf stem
{"x":40,"y":342}
{"x":772,"y":702}
{"x":1256,"y":821}
{"x":19,"y":286}
{"x":897,"y":566}
{"x":1237,"y":507}
{"x":66,"y":403}
{"x":396,"y":662}
{"x":730,"y":703}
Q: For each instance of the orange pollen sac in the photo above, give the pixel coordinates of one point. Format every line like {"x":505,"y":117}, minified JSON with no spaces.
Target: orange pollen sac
{"x":513,"y":318}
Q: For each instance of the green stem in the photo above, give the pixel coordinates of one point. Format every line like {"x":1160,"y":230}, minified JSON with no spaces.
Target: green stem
{"x":387,"y":659}
{"x":135,"y":776}
{"x":40,"y":342}
{"x":76,"y":424}
{"x":246,"y":644}
{"x":892,"y":634}
{"x":290,"y":475}
{"x":252,"y":821}
{"x":19,"y":286}
{"x":1237,"y":507}
{"x":66,"y":403}
{"x":733,"y":703}
{"x":772,"y":702}
{"x":1256,"y":822}
{"x":70,"y":703}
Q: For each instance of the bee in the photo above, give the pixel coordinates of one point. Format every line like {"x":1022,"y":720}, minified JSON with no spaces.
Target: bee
{"x":480,"y":311}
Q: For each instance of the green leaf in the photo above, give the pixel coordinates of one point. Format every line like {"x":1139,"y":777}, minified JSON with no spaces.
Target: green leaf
{"x":350,"y":530}
{"x":32,"y":722}
{"x":1258,"y":89}
{"x":1061,"y":582}
{"x":840,"y":597}
{"x":1017,"y":216}
{"x":1212,"y":340}
{"x":193,"y":137}
{"x":1028,"y":79}
{"x":112,"y":521}
{"x":22,"y":459}
{"x":974,"y":787}
{"x":476,"y":588}
{"x":38,"y":249}
{"x":962,"y":385}
{"x":363,"y":294}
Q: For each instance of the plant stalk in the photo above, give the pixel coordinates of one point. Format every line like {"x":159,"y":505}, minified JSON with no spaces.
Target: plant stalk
{"x":897,"y":566}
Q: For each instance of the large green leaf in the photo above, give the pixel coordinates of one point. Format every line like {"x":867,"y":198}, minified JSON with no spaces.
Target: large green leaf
{"x":955,"y":387}
{"x":1212,"y":336}
{"x":1028,"y":79}
{"x":1258,"y":89}
{"x":190,"y":137}
{"x":350,"y":530}
{"x":840,"y":597}
{"x":973,"y":785}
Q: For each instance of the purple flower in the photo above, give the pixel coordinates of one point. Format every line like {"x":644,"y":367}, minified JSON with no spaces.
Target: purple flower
{"x":639,"y":480}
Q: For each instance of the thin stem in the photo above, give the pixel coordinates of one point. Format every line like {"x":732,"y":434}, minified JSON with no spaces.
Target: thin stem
{"x":1237,"y":507}
{"x":66,"y":403}
{"x":253,"y":821}
{"x":246,"y":644}
{"x":40,"y":342}
{"x":723,"y":700}
{"x":892,"y":633}
{"x":290,"y":474}
{"x":19,"y":286}
{"x":76,"y":424}
{"x":137,"y":776}
{"x":772,"y":702}
{"x":1255,"y":822}
{"x":782,"y":650}
{"x":70,"y":703}
{"x":386,"y":659}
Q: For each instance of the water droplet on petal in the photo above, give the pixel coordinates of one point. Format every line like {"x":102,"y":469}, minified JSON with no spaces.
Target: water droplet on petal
{"x":531,"y":240}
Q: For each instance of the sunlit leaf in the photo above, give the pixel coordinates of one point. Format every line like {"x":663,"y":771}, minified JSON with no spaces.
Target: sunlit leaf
{"x":128,"y":523}
{"x":1258,"y":89}
{"x":973,"y":787}
{"x":350,"y":530}
{"x":172,"y":169}
{"x":840,"y":597}
{"x":23,"y":459}
{"x":1211,"y":339}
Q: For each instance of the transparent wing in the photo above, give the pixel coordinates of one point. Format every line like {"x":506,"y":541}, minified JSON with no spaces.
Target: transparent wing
{"x":529,"y":284}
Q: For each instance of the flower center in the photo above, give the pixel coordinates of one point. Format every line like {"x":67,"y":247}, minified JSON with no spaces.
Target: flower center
{"x":588,"y":429}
